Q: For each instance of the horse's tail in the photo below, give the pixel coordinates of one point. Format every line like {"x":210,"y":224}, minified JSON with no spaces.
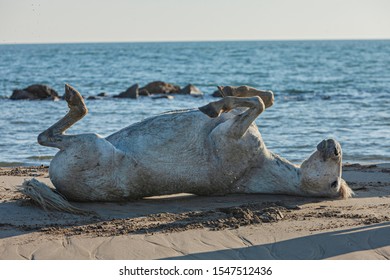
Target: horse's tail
{"x":48,"y":198}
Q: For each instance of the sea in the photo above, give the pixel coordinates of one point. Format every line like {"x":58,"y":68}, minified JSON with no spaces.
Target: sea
{"x":323,"y":89}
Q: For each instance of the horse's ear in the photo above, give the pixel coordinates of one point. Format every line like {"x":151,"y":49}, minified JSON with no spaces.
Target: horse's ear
{"x":220,"y":88}
{"x":345,"y":190}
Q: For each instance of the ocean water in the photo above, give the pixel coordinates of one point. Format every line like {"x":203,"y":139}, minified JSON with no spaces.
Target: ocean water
{"x":323,"y":89}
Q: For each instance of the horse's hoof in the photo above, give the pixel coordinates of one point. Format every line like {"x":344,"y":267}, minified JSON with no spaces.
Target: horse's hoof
{"x":72,"y":96}
{"x":209,"y":110}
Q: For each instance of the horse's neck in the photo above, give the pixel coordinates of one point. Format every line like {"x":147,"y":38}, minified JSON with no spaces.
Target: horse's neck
{"x":274,"y":175}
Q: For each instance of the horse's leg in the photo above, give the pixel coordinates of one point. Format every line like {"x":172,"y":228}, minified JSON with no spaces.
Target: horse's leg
{"x":242,"y":121}
{"x":54,"y":135}
{"x":244,"y":91}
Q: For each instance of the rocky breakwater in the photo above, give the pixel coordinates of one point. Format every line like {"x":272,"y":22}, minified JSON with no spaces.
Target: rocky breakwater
{"x":155,"y":90}
{"x":159,"y":89}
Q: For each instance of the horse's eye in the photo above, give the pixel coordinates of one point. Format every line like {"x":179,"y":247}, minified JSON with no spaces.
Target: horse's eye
{"x":334,"y":184}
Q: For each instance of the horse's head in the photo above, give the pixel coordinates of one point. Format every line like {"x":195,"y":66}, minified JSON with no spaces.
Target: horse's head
{"x":321,"y":172}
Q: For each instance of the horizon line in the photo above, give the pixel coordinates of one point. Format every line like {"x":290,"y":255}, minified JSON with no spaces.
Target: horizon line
{"x":193,"y":41}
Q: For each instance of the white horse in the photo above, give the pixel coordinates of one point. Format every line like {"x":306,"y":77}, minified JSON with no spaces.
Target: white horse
{"x":215,"y":149}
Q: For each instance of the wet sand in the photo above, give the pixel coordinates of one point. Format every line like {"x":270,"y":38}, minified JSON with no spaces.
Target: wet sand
{"x":185,"y":226}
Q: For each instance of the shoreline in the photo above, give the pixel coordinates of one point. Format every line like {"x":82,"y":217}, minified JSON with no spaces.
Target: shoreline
{"x":185,"y":226}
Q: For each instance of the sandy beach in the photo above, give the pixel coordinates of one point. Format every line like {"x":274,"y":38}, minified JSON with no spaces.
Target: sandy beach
{"x":184,"y":226}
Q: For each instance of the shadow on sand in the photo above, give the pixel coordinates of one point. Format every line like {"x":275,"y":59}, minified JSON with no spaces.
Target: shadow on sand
{"x":337,"y":244}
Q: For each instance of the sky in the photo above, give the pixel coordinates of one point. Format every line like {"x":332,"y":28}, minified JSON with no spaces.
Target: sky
{"x":58,"y":21}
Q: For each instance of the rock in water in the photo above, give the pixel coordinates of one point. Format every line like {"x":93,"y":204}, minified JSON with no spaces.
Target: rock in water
{"x":100,"y":96}
{"x":35,"y":92}
{"x":94,"y":98}
{"x":131,"y":92}
{"x":192,"y":90}
{"x":161,"y":87}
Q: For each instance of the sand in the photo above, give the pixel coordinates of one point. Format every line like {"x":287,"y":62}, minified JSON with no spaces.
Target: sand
{"x":185,"y":226}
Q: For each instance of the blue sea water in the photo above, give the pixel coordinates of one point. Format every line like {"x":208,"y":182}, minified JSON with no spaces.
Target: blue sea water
{"x":323,"y":89}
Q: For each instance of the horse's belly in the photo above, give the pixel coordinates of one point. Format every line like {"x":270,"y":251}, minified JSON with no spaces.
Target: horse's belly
{"x":173,"y":172}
